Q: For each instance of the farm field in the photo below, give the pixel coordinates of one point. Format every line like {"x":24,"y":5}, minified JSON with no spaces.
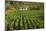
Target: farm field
{"x":21,"y":20}
{"x":24,"y":15}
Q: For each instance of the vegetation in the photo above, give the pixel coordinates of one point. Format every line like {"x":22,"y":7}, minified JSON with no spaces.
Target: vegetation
{"x":21,"y":20}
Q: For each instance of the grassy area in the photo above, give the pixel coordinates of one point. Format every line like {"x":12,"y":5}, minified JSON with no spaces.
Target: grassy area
{"x":32,"y":19}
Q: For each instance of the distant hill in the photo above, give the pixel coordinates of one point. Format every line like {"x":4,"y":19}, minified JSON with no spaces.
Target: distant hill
{"x":19,"y":3}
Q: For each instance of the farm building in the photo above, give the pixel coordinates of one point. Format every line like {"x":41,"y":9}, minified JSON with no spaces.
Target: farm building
{"x":23,"y":8}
